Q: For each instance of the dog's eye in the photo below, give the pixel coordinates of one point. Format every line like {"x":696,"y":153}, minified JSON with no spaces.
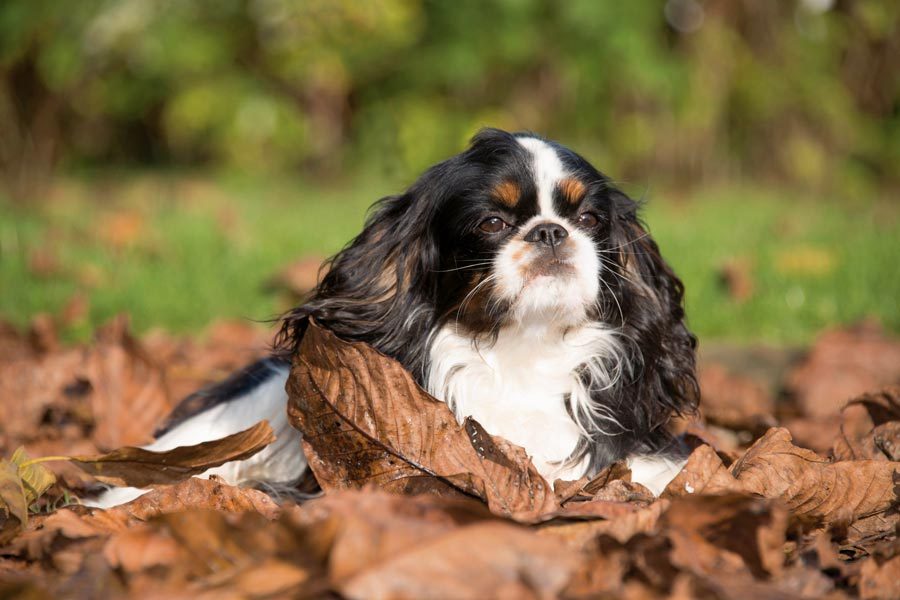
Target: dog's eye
{"x":493,"y":225}
{"x":588,"y":220}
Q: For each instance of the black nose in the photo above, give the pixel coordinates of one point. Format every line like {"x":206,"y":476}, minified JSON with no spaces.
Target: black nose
{"x":550,"y":234}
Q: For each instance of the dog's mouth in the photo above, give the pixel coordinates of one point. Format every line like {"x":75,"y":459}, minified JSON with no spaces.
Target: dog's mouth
{"x":549,"y":266}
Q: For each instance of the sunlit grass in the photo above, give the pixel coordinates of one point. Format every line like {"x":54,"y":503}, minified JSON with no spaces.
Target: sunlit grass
{"x":179,"y":252}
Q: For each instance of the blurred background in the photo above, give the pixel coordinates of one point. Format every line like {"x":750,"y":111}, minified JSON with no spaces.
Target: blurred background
{"x":173,"y":159}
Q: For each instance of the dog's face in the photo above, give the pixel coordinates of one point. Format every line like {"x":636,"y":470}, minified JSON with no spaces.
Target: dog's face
{"x":514,"y":232}
{"x":521,"y":236}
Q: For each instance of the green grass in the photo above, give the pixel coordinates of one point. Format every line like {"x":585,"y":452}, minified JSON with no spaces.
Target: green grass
{"x":202,"y":248}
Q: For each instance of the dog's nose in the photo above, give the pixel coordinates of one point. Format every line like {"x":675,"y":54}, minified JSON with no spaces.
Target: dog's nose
{"x":550,"y":234}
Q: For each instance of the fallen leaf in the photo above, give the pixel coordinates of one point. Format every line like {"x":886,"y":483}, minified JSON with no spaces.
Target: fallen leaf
{"x":140,"y":548}
{"x":736,"y":276}
{"x":715,"y":535}
{"x":42,"y":334}
{"x":13,"y":506}
{"x":843,"y":364}
{"x":887,"y":439}
{"x":490,"y":559}
{"x":879,"y":578}
{"x":859,"y":420}
{"x":734,"y":401}
{"x":620,"y":490}
{"x":129,"y":394}
{"x":704,"y":473}
{"x":813,"y":487}
{"x":138,"y":467}
{"x":365,"y":421}
{"x":36,"y":478}
{"x":208,"y":494}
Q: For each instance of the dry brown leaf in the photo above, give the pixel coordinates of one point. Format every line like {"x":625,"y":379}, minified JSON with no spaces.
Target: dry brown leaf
{"x":717,"y":535}
{"x":483,"y":560}
{"x":859,"y":420}
{"x":704,"y":473}
{"x":371,"y":527}
{"x":736,"y":276}
{"x":843,"y":364}
{"x":140,"y":548}
{"x":887,"y":439}
{"x":813,"y":487}
{"x":129,"y":394}
{"x":622,"y":527}
{"x":816,"y":433}
{"x":13,"y":506}
{"x":138,"y":467}
{"x":32,"y":388}
{"x":365,"y":421}
{"x":734,"y":401}
{"x":879,"y":578}
{"x":209,"y":494}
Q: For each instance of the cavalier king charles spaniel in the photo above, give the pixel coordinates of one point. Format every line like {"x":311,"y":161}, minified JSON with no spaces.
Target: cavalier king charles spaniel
{"x":516,"y":283}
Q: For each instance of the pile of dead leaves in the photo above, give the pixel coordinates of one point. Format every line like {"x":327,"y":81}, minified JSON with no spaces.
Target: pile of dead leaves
{"x":787,"y":493}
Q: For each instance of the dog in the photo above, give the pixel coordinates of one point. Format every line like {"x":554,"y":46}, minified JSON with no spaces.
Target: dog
{"x":516,"y":283}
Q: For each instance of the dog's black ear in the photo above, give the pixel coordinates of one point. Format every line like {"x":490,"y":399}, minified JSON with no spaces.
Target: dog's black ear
{"x":379,"y":289}
{"x":650,"y":300}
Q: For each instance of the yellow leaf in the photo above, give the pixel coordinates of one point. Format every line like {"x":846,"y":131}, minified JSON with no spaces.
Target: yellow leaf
{"x":36,"y":478}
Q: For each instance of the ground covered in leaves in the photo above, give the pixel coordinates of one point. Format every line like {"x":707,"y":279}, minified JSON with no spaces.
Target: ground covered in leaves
{"x":790,"y":491}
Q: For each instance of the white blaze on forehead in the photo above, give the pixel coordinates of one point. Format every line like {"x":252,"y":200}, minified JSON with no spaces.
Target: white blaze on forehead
{"x":548,"y":170}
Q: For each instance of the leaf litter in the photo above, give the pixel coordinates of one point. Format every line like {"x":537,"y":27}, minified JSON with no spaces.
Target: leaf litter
{"x":417,"y":505}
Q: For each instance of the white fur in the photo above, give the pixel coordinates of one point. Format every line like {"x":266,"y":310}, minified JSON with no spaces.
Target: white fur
{"x":517,"y":386}
{"x":280,"y":462}
{"x":548,"y":170}
{"x":655,"y":472}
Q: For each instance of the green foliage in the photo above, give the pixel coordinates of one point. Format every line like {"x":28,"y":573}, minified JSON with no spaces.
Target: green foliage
{"x":760,"y":89}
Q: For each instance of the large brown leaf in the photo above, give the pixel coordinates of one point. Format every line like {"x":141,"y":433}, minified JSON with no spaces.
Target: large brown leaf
{"x":365,"y":421}
{"x":137,"y":467}
{"x":814,"y":487}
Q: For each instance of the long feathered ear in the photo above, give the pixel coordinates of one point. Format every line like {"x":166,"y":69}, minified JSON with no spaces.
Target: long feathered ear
{"x":379,"y":289}
{"x":650,"y":300}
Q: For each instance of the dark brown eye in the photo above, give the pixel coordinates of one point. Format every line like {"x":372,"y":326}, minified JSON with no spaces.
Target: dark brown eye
{"x":588,"y":220}
{"x":493,"y":225}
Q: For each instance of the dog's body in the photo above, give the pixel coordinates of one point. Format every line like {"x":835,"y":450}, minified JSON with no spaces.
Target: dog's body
{"x":515,"y":283}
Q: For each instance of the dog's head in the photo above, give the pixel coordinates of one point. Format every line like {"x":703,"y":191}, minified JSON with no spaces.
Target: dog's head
{"x":514,"y":232}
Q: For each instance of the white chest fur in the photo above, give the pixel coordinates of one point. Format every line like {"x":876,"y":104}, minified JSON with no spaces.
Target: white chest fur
{"x":519,"y":386}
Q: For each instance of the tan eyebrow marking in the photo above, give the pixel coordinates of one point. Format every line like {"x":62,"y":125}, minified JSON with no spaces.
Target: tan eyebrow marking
{"x":507,"y":192}
{"x":572,"y":190}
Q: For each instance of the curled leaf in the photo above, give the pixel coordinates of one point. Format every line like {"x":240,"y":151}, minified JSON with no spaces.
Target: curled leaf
{"x":130,"y":466}
{"x":814,"y":487}
{"x":365,"y":421}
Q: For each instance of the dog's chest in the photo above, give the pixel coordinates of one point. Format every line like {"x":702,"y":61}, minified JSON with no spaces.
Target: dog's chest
{"x":515,"y":388}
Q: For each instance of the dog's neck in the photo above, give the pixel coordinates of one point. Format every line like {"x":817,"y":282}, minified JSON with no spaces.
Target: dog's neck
{"x":527,"y":385}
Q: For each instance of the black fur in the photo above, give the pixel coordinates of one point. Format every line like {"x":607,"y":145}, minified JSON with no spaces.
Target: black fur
{"x":236,"y":385}
{"x":421,"y":253}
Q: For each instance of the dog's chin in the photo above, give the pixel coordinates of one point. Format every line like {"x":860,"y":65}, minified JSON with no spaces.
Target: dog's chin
{"x":553,"y":296}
